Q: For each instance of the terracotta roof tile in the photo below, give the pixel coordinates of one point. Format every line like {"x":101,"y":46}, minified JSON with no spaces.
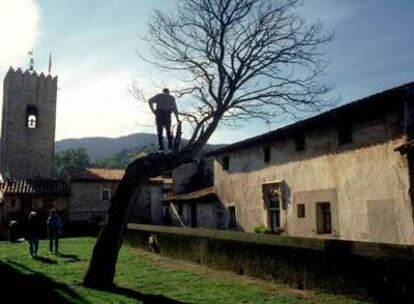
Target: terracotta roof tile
{"x":103,"y":174}
{"x":95,"y":174}
{"x":35,"y":186}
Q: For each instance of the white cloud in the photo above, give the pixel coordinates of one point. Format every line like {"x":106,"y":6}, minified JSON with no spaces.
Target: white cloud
{"x":98,"y":104}
{"x":18,"y":30}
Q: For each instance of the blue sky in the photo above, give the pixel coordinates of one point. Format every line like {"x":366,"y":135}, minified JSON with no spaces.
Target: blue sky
{"x":93,"y":45}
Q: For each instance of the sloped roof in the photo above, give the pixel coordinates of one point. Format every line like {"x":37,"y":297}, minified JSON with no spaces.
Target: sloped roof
{"x":35,"y":186}
{"x":371,"y":104}
{"x":95,"y":174}
{"x":196,"y":195}
{"x":406,"y":147}
{"x":103,"y":174}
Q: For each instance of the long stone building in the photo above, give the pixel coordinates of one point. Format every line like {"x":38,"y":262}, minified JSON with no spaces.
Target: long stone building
{"x":344,"y":174}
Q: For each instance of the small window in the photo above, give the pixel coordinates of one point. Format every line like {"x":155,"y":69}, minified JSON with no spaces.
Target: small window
{"x":301,"y":210}
{"x":232,"y":217}
{"x":267,"y":154}
{"x":31,"y":117}
{"x":226,"y":163}
{"x":300,"y":142}
{"x":345,"y":134}
{"x":106,"y":194}
{"x":323,"y":218}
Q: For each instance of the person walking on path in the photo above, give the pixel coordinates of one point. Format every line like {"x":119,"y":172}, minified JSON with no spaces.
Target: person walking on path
{"x":165,"y":106}
{"x":54,"y":229}
{"x":34,"y":231}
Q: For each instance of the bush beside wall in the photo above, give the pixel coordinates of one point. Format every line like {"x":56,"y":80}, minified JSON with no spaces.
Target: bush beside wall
{"x":370,"y":271}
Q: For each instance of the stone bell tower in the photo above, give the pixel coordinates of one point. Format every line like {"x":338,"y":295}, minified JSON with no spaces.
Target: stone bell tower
{"x":28,"y":125}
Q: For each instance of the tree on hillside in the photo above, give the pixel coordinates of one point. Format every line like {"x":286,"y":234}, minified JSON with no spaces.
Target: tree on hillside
{"x":238,"y":59}
{"x":78,"y":158}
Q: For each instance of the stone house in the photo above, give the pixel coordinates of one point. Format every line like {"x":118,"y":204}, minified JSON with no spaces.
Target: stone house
{"x":20,"y":196}
{"x":91,"y":190}
{"x":343,"y":174}
{"x":193,"y":202}
{"x":150,"y":208}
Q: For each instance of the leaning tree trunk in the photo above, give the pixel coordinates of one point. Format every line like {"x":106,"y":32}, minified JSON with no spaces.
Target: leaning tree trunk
{"x":101,"y":271}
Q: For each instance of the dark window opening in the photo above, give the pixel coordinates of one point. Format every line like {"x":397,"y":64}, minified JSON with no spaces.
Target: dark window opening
{"x":300,"y":142}
{"x":267,"y":154}
{"x":180,"y":209}
{"x":232,"y":217}
{"x":226,"y":163}
{"x":323,"y":218}
{"x":31,"y":117}
{"x":13,"y":203}
{"x":106,"y":194}
{"x":345,"y":134}
{"x":301,"y":210}
{"x":48,"y":203}
{"x":274,"y":211}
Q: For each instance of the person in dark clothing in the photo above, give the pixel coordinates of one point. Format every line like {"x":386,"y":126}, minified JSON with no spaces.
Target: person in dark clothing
{"x":54,"y":228}
{"x":165,"y":106}
{"x":34,"y":231}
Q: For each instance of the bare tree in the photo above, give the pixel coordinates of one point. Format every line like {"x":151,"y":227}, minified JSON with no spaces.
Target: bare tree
{"x":238,"y":60}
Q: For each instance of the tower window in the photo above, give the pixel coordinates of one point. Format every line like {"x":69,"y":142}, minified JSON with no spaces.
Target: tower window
{"x":31,"y":117}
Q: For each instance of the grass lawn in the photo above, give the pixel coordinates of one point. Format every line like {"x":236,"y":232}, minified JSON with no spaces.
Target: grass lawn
{"x":141,"y":277}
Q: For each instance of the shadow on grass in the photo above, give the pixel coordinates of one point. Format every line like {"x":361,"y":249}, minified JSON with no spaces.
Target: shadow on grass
{"x":44,"y":260}
{"x":145,"y":298}
{"x":71,"y":258}
{"x":21,"y":284}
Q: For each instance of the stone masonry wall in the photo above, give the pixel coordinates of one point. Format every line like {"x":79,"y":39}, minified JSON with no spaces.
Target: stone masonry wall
{"x":26,"y":152}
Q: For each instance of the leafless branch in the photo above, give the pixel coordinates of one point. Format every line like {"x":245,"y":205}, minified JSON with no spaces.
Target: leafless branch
{"x":239,"y":60}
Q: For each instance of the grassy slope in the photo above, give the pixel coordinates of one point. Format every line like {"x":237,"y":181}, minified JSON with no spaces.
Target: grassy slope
{"x":150,"y":279}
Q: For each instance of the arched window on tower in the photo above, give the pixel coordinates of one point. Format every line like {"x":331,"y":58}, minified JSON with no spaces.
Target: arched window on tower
{"x":31,"y":117}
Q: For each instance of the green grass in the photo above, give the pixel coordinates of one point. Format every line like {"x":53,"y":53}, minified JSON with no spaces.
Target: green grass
{"x":140,"y":276}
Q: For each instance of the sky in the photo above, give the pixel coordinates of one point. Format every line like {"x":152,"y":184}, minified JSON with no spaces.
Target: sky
{"x":94,"y":44}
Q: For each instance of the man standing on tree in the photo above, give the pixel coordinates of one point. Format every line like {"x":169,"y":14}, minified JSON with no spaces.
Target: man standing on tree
{"x":165,"y":106}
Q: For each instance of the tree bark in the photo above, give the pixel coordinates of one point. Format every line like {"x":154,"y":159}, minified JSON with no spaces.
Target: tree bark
{"x":101,"y":271}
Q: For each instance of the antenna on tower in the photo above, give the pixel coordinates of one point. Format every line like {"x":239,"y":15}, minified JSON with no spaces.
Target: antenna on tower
{"x":31,"y":60}
{"x":50,"y":63}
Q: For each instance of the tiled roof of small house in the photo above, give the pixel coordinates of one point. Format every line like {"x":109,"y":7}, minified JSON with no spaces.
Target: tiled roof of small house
{"x":95,"y":174}
{"x":103,"y":174}
{"x":35,"y":186}
{"x":378,"y":102}
{"x":196,"y":195}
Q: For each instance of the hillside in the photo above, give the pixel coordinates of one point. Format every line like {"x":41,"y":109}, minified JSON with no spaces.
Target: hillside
{"x":103,"y":147}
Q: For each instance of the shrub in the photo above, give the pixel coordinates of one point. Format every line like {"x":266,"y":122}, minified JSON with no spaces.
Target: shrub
{"x":263,"y":230}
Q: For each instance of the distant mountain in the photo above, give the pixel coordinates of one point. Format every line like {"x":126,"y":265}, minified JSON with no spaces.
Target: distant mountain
{"x":99,"y":148}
